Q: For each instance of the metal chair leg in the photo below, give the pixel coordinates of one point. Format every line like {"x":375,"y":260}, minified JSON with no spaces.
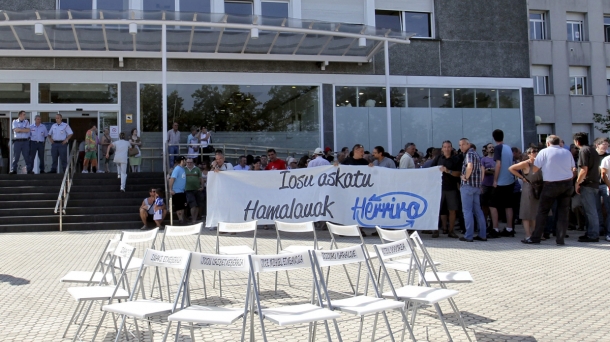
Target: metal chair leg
{"x":71,"y":319}
{"x":82,"y":321}
{"x":440,"y":316}
{"x":374,"y":327}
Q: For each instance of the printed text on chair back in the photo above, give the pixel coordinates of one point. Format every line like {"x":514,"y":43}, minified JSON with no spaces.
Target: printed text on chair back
{"x":351,"y":230}
{"x":215,"y":262}
{"x":171,"y":259}
{"x":237,"y":227}
{"x":342,"y":256}
{"x":394,"y":249}
{"x":123,"y":250}
{"x":300,"y":227}
{"x":183,"y":230}
{"x":280,"y":262}
{"x":135,"y":237}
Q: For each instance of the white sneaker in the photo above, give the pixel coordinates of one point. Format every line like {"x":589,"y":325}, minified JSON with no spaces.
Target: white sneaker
{"x":608,"y":238}
{"x":85,"y":171}
{"x":100,"y":171}
{"x":118,"y":175}
{"x":122,"y":189}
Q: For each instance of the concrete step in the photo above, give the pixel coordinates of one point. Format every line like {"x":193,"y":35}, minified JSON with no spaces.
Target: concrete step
{"x":36,"y":196}
{"x":29,"y":204}
{"x":29,"y":189}
{"x":6,"y":213}
{"x":93,"y":189}
{"x":12,"y":228}
{"x":107,"y":203}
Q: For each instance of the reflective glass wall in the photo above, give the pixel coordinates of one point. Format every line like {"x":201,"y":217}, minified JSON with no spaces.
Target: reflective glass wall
{"x":426,"y":116}
{"x":261,"y":115}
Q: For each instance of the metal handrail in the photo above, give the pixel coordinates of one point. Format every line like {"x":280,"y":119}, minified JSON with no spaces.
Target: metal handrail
{"x":247,"y":149}
{"x":66,"y":185}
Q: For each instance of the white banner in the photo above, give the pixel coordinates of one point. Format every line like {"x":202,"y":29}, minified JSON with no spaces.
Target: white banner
{"x":362,"y":195}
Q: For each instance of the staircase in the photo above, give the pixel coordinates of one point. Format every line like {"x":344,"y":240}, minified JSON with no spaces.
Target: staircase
{"x":96,"y":201}
{"x":27,"y":202}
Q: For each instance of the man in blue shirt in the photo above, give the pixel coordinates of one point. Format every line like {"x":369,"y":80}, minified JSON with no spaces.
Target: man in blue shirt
{"x":503,"y":186}
{"x":177,"y":184}
{"x":38,"y":135}
{"x":21,"y":142}
{"x":59,"y":136}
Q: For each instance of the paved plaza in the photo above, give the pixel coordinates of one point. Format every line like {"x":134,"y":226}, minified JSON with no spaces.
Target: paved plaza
{"x":521,"y":292}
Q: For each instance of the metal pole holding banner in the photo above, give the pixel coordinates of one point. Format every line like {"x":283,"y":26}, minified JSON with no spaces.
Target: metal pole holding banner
{"x":164,"y":111}
{"x":388,"y":107}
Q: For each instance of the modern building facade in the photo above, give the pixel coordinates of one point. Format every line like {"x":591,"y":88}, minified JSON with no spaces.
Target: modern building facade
{"x":284,"y":73}
{"x":570,"y":58}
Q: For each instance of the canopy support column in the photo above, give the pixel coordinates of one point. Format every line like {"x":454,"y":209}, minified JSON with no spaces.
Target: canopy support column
{"x":164,"y":91}
{"x":388,"y":108}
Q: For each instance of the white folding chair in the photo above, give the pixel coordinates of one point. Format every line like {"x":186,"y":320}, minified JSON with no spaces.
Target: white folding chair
{"x":357,"y":305}
{"x":242,"y":227}
{"x":102,"y":292}
{"x":95,"y":276}
{"x":294,"y":313}
{"x":302,"y":227}
{"x":213,"y":314}
{"x":337,"y":231}
{"x":145,"y":308}
{"x":140,"y":240}
{"x":400,"y":264}
{"x":436,"y":277}
{"x":182,"y":231}
{"x":415,"y":296}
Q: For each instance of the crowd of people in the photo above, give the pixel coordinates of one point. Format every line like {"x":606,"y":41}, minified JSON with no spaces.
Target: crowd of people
{"x":549,"y":189}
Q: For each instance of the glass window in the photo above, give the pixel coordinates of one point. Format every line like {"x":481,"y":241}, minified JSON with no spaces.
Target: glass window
{"x":14,"y":93}
{"x":575,"y":32}
{"x":537,"y":26}
{"x":441,"y":98}
{"x":77,"y":93}
{"x":360,"y":96}
{"x":607,"y":29}
{"x":159,"y":5}
{"x":418,"y":97}
{"x":487,"y":98}
{"x":113,"y":5}
{"x":541,"y":85}
{"x":254,"y":110}
{"x":77,"y":5}
{"x":199,"y":6}
{"x":418,"y":23}
{"x":608,"y":87}
{"x":509,"y":98}
{"x":578,"y":85}
{"x":346,"y":96}
{"x":398,"y":97}
{"x":239,"y":7}
{"x":274,"y":9}
{"x":463,"y":98}
{"x":388,"y":20}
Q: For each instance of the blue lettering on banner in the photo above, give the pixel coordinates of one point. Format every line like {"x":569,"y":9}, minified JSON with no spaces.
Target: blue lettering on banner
{"x":400,"y":207}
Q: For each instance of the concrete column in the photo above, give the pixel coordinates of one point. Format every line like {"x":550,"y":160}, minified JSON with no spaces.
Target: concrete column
{"x":328,"y":108}
{"x":129,"y":105}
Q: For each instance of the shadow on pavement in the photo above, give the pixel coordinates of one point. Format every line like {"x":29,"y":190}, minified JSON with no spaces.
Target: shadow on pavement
{"x":5,"y":278}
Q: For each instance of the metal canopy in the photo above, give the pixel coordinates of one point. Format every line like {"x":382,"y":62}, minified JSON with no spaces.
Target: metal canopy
{"x":189,"y":36}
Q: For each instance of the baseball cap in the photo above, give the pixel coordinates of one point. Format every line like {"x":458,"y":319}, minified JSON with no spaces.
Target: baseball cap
{"x":291,"y":160}
{"x":318,"y":151}
{"x":180,"y":158}
{"x":327,"y":149}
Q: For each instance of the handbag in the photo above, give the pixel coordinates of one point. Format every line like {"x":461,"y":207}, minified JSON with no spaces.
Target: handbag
{"x":133,"y":151}
{"x":537,"y":188}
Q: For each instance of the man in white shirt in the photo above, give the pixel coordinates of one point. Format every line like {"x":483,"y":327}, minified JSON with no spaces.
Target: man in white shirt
{"x":406,"y":162}
{"x":219,"y":163}
{"x":241,"y":166}
{"x":319,"y":159}
{"x":557,"y":165}
{"x":173,"y":141}
{"x":38,"y":135}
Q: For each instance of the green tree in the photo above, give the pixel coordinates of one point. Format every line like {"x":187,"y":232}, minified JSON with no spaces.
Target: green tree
{"x":602,"y":121}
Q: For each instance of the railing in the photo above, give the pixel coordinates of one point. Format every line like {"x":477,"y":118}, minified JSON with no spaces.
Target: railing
{"x":66,"y":185}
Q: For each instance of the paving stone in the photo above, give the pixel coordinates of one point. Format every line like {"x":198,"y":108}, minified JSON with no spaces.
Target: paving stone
{"x":520,"y":293}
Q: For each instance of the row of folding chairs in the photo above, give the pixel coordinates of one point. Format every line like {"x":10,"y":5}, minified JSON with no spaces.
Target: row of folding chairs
{"x":125,"y":302}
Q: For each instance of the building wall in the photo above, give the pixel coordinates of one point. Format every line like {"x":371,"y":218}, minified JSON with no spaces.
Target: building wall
{"x":568,"y":112}
{"x":25,"y":5}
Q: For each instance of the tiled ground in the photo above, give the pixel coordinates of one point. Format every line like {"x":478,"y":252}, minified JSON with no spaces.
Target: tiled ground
{"x":520,"y":293}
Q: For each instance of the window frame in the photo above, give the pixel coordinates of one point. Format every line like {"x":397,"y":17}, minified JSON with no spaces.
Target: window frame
{"x":608,"y":86}
{"x":403,"y":22}
{"x":607,"y":28}
{"x":545,"y":84}
{"x":583,"y":80}
{"x":580,"y":25}
{"x":542,"y":21}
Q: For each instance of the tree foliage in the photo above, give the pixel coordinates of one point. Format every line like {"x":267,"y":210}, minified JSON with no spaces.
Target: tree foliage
{"x":602,"y":121}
